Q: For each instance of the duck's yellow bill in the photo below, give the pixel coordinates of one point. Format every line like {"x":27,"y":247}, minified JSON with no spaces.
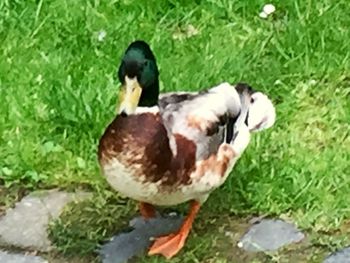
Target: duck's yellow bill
{"x":129,"y":96}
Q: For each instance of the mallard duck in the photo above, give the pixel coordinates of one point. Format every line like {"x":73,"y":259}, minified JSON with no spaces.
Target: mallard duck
{"x":163,"y":150}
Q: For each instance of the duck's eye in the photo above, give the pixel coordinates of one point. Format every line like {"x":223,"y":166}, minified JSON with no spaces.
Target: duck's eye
{"x":252,"y":100}
{"x":145,"y":64}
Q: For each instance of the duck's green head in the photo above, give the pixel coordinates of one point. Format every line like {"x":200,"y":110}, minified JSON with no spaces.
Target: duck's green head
{"x":138,"y":75}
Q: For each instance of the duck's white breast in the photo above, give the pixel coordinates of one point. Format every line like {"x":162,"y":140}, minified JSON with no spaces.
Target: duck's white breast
{"x":123,"y":180}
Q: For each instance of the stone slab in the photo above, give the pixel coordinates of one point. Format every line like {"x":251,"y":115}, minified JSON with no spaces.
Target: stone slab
{"x":25,"y":225}
{"x":270,"y":235}
{"x":124,"y":246}
{"x":6,"y":257}
{"x":341,"y":256}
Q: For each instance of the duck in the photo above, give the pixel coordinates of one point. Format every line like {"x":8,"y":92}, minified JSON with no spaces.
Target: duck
{"x":176,"y":147}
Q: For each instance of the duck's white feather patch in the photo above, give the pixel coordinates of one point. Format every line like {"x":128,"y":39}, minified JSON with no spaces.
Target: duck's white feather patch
{"x":140,"y":110}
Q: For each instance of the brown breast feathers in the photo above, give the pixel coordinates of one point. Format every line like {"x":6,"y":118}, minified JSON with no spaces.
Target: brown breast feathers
{"x":141,"y":142}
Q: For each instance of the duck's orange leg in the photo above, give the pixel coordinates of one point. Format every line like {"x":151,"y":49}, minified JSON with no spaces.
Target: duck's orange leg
{"x":147,"y":210}
{"x":170,"y":245}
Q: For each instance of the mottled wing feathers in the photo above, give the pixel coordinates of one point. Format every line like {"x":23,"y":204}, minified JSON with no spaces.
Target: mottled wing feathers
{"x":173,"y":99}
{"x":201,"y":117}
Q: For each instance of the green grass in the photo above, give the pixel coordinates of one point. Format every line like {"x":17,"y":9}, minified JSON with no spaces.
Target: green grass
{"x":58,"y":92}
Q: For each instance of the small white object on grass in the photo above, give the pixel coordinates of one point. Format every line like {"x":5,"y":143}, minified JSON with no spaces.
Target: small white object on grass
{"x":312,"y":82}
{"x":240,"y":244}
{"x":263,"y":15}
{"x":269,"y":9}
{"x":101,"y":35}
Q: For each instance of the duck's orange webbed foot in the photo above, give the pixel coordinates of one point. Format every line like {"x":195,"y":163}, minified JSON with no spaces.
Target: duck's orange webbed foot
{"x":147,"y":210}
{"x":170,"y":245}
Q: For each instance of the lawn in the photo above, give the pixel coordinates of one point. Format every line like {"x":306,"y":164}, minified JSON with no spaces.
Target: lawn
{"x":58,"y":92}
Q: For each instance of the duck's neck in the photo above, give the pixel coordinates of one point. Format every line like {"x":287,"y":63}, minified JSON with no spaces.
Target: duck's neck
{"x":149,"y":98}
